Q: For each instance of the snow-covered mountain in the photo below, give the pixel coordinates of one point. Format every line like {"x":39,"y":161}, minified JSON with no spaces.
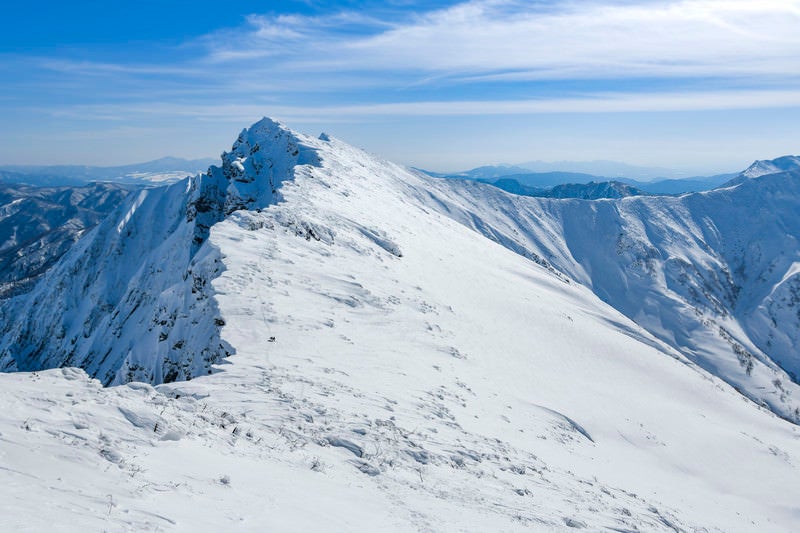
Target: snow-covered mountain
{"x":713,"y":274}
{"x":787,"y":163}
{"x":39,"y":224}
{"x":389,"y":366}
{"x":586,"y":191}
{"x":142,"y":311}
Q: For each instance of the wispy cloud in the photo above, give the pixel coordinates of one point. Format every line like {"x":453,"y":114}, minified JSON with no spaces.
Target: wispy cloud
{"x":288,"y":36}
{"x":88,"y":68}
{"x":590,"y":103}
{"x":491,"y":59}
{"x":505,"y":43}
{"x":510,"y":40}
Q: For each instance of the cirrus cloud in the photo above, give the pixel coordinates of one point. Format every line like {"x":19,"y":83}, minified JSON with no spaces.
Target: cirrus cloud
{"x":512,"y":41}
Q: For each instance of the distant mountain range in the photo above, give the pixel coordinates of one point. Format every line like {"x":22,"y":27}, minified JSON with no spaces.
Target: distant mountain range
{"x":681,"y":186}
{"x":519,"y":180}
{"x":164,"y":170}
{"x":587,"y":191}
{"x":615,"y":169}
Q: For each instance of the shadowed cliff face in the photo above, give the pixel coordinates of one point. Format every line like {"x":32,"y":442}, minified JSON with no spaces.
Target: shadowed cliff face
{"x":39,"y":224}
{"x":132,"y":300}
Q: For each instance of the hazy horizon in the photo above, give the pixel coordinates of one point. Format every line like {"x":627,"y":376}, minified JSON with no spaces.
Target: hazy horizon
{"x":532,"y":166}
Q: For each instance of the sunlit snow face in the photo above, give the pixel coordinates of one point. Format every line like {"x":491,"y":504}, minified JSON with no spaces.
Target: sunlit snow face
{"x":432,"y":349}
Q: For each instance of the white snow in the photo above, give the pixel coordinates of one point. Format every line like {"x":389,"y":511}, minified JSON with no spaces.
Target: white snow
{"x":698,"y":271}
{"x":394,"y":370}
{"x":140,"y":198}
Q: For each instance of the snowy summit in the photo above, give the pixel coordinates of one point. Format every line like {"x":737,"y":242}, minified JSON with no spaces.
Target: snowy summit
{"x":309,"y":337}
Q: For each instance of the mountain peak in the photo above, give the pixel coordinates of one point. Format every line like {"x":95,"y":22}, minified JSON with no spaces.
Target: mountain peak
{"x":157,"y":265}
{"x":267,"y":126}
{"x":595,"y":190}
{"x":763,"y":167}
{"x":262,"y":156}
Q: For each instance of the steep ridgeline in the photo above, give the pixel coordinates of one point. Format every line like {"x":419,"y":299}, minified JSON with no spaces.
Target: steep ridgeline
{"x":786,"y":163}
{"x":39,"y":224}
{"x":394,"y":366}
{"x":132,"y":300}
{"x":714,"y":274}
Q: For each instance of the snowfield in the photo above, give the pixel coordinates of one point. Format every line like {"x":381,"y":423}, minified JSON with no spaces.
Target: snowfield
{"x":712,"y":274}
{"x":389,"y":368}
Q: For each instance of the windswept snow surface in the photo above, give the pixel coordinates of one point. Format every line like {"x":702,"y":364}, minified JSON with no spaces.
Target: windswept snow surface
{"x":394,"y":370}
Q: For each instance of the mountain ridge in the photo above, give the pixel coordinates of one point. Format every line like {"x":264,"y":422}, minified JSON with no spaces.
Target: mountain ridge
{"x":631,"y":253}
{"x":391,"y":341}
{"x":72,"y":330}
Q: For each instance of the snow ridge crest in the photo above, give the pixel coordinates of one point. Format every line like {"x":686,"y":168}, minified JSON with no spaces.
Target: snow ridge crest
{"x":262,"y":157}
{"x":764,"y":167}
{"x":149,"y":312}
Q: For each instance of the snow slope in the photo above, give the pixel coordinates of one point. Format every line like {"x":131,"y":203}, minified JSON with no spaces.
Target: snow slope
{"x":713,"y":274}
{"x":763,"y":168}
{"x":39,"y":224}
{"x":394,"y":370}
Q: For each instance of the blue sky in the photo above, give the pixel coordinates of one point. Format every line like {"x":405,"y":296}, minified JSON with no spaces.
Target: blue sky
{"x":700,"y":85}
